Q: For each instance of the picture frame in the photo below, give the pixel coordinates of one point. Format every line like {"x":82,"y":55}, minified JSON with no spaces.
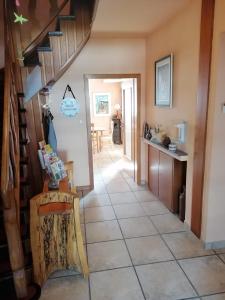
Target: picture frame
{"x":102,"y":104}
{"x":164,"y":81}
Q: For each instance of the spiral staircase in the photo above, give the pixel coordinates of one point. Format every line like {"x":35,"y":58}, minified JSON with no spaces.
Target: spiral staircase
{"x":47,"y":51}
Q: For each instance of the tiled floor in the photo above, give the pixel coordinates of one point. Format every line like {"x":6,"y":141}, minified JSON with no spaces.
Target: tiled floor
{"x":137,"y":249}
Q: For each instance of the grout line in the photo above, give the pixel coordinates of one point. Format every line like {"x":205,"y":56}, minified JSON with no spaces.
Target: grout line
{"x":130,"y":258}
{"x":89,"y":283}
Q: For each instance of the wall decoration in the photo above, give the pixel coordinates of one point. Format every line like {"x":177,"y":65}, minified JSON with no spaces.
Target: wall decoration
{"x":102,"y":104}
{"x":70,"y":106}
{"x":163,"y":81}
{"x":20,"y":19}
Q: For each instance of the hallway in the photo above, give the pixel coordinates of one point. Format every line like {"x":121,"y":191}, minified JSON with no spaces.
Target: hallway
{"x":136,"y":248}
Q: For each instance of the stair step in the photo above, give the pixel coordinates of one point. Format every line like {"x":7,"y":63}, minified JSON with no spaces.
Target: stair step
{"x":24,"y":160}
{"x":68,"y":18}
{"x":55,"y":33}
{"x":23,"y":125}
{"x":24,"y":181}
{"x":23,"y":142}
{"x":44,"y":49}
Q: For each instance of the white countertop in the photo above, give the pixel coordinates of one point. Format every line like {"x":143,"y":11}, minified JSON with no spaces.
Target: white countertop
{"x":179,"y":155}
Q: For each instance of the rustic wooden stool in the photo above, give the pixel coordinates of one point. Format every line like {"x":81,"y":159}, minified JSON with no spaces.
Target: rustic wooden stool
{"x":56,"y":238}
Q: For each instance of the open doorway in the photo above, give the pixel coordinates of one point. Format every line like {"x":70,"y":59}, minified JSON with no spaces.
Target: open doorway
{"x":113,"y":127}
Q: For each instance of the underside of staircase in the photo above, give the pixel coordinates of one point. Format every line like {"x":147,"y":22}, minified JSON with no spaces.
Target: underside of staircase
{"x":51,"y":53}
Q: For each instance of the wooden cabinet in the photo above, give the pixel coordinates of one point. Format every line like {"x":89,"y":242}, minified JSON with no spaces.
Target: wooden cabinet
{"x":166,"y":176}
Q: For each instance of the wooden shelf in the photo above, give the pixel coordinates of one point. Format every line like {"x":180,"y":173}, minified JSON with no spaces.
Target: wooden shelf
{"x":179,"y":155}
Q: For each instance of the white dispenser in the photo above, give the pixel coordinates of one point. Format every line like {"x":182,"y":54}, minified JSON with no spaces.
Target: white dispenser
{"x":182,"y":128}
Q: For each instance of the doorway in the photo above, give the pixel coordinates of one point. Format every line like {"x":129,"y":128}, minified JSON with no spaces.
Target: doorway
{"x":113,"y":129}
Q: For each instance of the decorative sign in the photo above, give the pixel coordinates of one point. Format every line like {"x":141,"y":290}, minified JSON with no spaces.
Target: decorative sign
{"x":70,"y":107}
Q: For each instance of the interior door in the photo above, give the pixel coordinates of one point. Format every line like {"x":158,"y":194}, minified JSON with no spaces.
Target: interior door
{"x":128,"y":122}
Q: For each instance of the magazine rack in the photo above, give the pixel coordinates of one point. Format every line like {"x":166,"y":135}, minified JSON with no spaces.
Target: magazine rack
{"x":56,"y":238}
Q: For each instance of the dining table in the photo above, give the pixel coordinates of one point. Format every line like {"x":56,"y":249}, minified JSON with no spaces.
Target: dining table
{"x":99,"y":133}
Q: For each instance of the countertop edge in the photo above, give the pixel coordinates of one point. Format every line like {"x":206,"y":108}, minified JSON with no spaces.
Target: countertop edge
{"x":170,"y":153}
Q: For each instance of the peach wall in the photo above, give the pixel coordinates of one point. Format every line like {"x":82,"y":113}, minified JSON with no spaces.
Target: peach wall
{"x":179,"y":36}
{"x":214,"y":191}
{"x":98,"y":86}
{"x":99,"y":56}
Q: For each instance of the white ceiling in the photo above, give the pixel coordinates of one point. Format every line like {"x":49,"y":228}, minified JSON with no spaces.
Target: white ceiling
{"x":129,"y":17}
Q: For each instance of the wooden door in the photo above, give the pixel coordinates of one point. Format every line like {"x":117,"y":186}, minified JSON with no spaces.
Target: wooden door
{"x":153,"y":170}
{"x":166,"y":179}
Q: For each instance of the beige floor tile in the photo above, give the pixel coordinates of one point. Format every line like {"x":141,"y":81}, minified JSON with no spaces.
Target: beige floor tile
{"x":81,"y":215}
{"x":108,"y":255}
{"x":168,"y":223}
{"x":185,"y":244}
{"x":129,"y":210}
{"x":66,"y":288}
{"x":207,"y":274}
{"x":64,"y":273}
{"x":154,"y":208}
{"x":117,"y":186}
{"x":214,"y":297}
{"x":137,"y":227}
{"x":164,"y":281}
{"x":149,"y":249}
{"x":134,"y":186}
{"x":121,"y":198}
{"x":103,"y":231}
{"x":121,"y":284}
{"x":95,"y":214}
{"x":99,"y":188}
{"x":144,"y":196}
{"x":96,"y":200}
{"x":220,"y":251}
{"x":222,"y":256}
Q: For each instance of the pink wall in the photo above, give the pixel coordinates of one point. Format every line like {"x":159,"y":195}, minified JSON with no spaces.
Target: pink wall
{"x":213,"y":232}
{"x":179,"y":36}
{"x":114,"y":89}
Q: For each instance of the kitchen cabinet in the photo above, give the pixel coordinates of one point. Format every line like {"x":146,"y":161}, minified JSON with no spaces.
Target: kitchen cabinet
{"x":166,"y":176}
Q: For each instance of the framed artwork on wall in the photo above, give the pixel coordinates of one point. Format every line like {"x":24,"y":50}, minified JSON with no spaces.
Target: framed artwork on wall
{"x":164,"y":81}
{"x":102,"y":104}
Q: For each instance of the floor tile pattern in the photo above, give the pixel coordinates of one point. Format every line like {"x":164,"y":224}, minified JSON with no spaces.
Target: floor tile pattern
{"x":136,"y":248}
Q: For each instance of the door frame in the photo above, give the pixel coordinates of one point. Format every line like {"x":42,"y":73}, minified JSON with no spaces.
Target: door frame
{"x":135,"y":119}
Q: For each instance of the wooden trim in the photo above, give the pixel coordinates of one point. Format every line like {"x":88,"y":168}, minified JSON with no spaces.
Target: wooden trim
{"x":206,"y":35}
{"x":88,"y":124}
{"x":43,"y":33}
{"x":137,"y":163}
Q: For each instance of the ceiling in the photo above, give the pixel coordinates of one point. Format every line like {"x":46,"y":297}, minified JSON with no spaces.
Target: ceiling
{"x":134,"y":17}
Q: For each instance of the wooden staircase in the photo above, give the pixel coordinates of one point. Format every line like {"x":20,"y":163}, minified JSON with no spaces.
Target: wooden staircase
{"x":53,"y":50}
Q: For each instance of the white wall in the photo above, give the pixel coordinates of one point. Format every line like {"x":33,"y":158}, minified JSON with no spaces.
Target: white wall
{"x":100,"y":56}
{"x":213,"y":229}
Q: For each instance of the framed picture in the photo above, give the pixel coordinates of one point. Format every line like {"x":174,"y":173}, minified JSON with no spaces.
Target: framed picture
{"x":164,"y":81}
{"x":102,"y":104}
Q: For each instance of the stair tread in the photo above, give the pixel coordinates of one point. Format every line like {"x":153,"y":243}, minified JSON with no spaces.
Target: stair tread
{"x":55,"y":33}
{"x":65,"y":17}
{"x":44,"y":49}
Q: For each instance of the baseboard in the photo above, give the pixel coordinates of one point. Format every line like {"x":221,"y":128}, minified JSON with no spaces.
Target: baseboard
{"x":214,"y":245}
{"x":84,"y":190}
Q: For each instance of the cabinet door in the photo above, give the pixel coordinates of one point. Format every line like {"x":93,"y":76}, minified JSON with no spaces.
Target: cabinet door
{"x":153,"y":170}
{"x":166,"y":179}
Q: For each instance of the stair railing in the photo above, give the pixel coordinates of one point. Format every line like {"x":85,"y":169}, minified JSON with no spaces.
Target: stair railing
{"x":10,"y":170}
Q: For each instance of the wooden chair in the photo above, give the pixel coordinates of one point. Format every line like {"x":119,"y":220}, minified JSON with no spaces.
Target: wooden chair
{"x":68,"y":166}
{"x":56,"y":238}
